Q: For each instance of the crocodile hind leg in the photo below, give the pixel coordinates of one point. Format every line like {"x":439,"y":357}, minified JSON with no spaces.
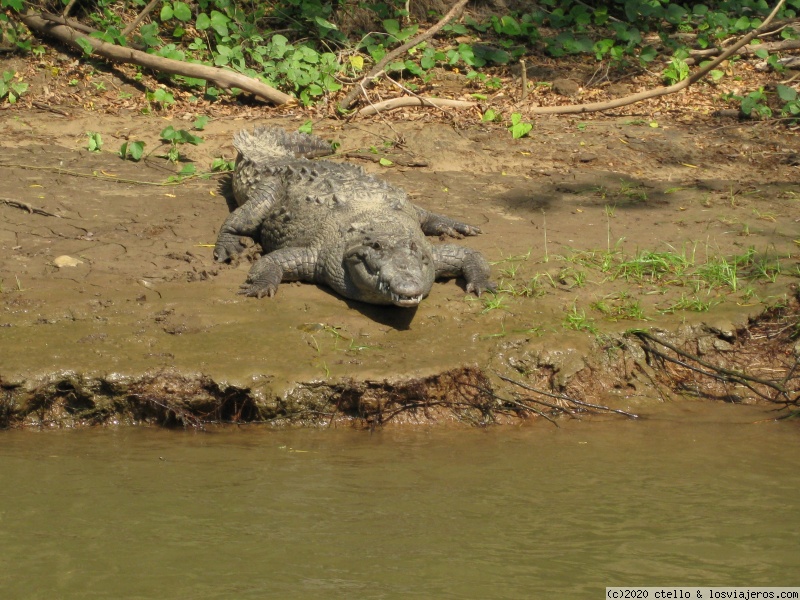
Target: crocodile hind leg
{"x":247,"y":219}
{"x":434,"y":224}
{"x":285,"y":264}
{"x":454,"y":261}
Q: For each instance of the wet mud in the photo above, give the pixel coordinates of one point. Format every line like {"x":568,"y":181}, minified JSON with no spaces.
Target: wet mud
{"x":113,"y":311}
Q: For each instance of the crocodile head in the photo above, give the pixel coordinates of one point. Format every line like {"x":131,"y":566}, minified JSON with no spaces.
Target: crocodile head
{"x":390,"y":269}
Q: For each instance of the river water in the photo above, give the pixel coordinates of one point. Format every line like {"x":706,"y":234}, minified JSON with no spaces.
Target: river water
{"x":702,"y":495}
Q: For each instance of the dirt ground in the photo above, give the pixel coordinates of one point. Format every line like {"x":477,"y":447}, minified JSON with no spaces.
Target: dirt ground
{"x":110,"y":295}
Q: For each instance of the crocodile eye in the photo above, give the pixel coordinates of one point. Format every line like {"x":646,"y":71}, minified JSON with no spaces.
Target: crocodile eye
{"x":375,"y":245}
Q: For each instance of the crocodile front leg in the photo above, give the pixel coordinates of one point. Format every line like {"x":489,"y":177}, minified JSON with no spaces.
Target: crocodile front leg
{"x":247,"y":219}
{"x":455,"y":261}
{"x":286,"y":264}
{"x":434,"y":224}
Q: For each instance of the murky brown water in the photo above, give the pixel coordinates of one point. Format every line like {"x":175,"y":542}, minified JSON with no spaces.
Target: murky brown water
{"x":698,"y":496}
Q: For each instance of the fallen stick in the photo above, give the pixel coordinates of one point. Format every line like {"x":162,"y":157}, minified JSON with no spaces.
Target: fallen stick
{"x":369,"y":78}
{"x":659,"y":91}
{"x":221,"y":77}
{"x":386,"y":105}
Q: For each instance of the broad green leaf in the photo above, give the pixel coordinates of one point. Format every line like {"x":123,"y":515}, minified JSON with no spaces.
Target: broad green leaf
{"x":391,"y":26}
{"x":324,"y":24}
{"x":413,"y":68}
{"x":132,"y":150}
{"x":385,"y":162}
{"x":200,"y":122}
{"x":357,"y":62}
{"x":95,"y":141}
{"x":188,"y":169}
{"x":169,"y":133}
{"x":520,"y":130}
{"x":786,"y":93}
{"x":166,"y":12}
{"x":182,"y":11}
{"x":648,"y":54}
{"x":203,"y":22}
{"x":306,"y":127}
{"x":219,"y":22}
{"x":85,"y":45}
{"x":185,"y":137}
{"x":748,"y":104}
{"x":136,"y":149}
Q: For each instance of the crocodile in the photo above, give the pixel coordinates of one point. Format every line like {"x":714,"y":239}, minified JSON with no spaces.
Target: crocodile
{"x":335,"y":224}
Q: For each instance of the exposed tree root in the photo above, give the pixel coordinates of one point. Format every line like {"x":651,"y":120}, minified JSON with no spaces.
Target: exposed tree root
{"x":566,"y":404}
{"x":759,"y":363}
{"x":762,"y":360}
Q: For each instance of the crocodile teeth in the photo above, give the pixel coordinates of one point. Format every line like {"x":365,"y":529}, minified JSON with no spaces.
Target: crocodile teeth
{"x":399,"y":300}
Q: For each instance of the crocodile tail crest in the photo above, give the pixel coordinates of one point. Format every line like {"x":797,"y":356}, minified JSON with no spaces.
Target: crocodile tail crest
{"x":268,"y":144}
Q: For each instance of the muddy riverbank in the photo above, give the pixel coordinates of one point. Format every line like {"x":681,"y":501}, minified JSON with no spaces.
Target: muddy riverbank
{"x":113,"y":310}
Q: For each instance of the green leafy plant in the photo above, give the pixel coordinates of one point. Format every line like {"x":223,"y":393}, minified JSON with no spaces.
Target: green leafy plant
{"x":161,"y":96}
{"x":754,"y":104}
{"x":95,"y":141}
{"x":518,"y":127}
{"x":788,"y":95}
{"x":491,"y":115}
{"x":11,"y":90}
{"x":176,"y":138}
{"x":575,"y":318}
{"x":677,"y":70}
{"x":200,"y":122}
{"x":222,"y":165}
{"x":132,"y":151}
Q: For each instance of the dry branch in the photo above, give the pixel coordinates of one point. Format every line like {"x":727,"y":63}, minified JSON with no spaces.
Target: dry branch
{"x":369,"y":78}
{"x":660,"y":91}
{"x":374,"y":109}
{"x":559,"y":110}
{"x":220,"y":77}
{"x":135,"y":23}
{"x":698,"y":55}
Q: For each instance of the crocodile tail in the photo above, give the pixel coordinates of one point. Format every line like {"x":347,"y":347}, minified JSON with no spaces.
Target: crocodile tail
{"x":268,"y":144}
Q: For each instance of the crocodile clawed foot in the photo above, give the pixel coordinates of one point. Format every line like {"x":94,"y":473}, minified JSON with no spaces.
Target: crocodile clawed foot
{"x":464,"y":229}
{"x":256,"y":290}
{"x":478,"y":287}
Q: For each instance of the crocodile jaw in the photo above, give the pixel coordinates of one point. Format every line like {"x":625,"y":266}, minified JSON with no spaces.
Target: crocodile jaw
{"x":398,"y":299}
{"x":400,"y":276}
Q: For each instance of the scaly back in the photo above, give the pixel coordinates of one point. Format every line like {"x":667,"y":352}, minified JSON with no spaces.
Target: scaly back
{"x":273,"y":144}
